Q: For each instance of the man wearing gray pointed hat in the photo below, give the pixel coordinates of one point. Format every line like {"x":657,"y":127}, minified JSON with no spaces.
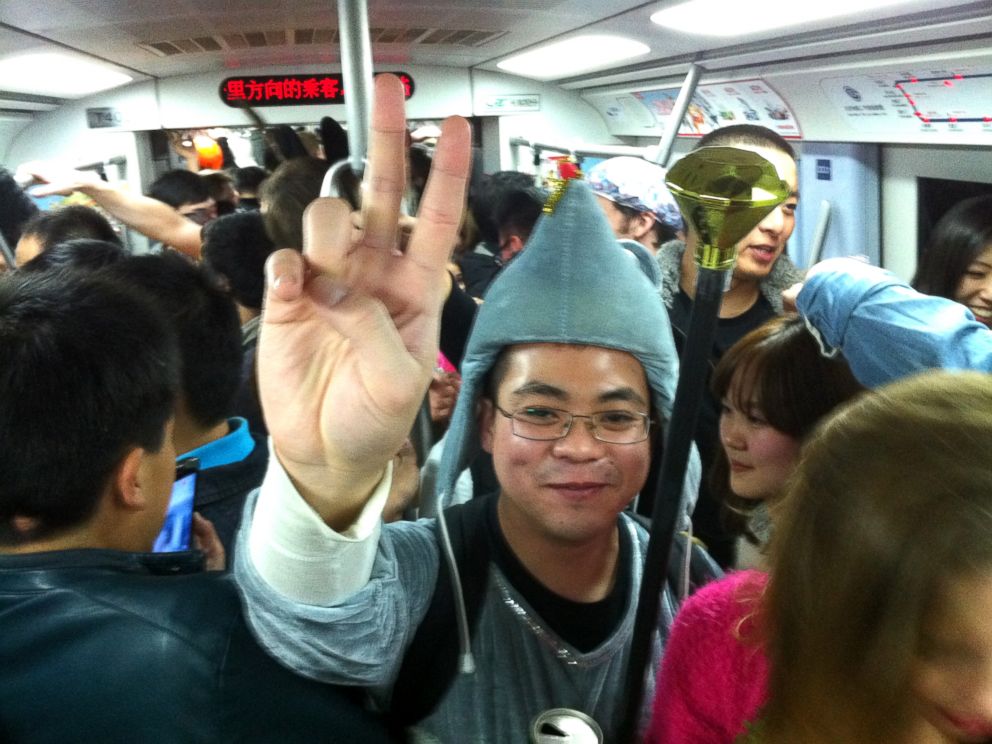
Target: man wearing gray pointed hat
{"x":569,"y":373}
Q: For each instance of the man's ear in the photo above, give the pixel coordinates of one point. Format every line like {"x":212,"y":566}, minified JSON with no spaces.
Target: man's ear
{"x":643,"y":223}
{"x":126,"y":480}
{"x":485,"y":418}
{"x":514,"y":244}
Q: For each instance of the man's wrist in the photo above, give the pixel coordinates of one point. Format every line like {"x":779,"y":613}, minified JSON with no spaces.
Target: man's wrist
{"x":95,"y":187}
{"x":339,"y":494}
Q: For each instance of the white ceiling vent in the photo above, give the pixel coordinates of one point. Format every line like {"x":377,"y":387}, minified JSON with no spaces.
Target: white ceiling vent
{"x":317,"y":36}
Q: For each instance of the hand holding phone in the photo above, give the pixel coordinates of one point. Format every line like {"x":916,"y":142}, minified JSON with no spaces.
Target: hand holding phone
{"x":175,"y":534}
{"x":205,"y":539}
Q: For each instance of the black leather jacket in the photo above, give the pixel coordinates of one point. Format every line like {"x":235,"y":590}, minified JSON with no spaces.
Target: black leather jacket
{"x":105,"y":646}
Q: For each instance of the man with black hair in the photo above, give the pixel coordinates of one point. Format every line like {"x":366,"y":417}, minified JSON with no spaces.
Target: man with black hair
{"x":564,"y":396}
{"x":205,"y":322}
{"x":235,"y":248}
{"x":481,"y":264}
{"x":81,"y":253}
{"x":515,"y":216}
{"x":762,"y":271}
{"x":72,"y":222}
{"x":101,"y":640}
{"x":187,"y":193}
{"x":633,"y":196}
{"x":48,"y":489}
{"x":220,"y":186}
{"x":248,"y":182}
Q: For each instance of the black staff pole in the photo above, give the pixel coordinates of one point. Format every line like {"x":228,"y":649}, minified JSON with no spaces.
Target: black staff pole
{"x":723,"y":192}
{"x":8,"y":253}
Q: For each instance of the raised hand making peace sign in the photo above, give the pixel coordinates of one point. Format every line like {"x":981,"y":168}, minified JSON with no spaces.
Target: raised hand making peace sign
{"x":349,"y":332}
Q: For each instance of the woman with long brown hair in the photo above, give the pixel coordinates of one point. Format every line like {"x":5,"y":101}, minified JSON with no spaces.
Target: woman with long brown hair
{"x":774,"y":386}
{"x":957,"y":263}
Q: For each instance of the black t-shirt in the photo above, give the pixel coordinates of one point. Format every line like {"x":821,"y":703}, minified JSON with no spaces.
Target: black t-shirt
{"x":706,"y":517}
{"x":583,"y":625}
{"x":457,"y":317}
{"x":728,"y":330}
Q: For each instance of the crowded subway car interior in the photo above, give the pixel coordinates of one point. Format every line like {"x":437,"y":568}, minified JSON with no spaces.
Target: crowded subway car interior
{"x":560,"y":371}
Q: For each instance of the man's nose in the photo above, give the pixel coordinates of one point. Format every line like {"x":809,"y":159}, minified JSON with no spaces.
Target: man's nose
{"x":579,"y":439}
{"x":774,"y":222}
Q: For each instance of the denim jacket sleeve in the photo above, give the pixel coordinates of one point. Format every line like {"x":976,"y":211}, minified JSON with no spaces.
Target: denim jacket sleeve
{"x":885,"y":329}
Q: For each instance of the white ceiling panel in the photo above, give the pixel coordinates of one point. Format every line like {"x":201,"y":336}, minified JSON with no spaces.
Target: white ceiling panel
{"x":121,"y":30}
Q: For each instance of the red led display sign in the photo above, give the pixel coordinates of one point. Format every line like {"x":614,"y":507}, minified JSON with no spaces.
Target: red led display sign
{"x":290,"y":90}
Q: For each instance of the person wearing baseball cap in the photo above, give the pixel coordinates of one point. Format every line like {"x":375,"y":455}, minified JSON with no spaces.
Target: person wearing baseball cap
{"x":637,"y":204}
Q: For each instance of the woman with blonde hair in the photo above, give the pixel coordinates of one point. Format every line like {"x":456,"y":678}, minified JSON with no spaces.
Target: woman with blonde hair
{"x":881,"y":592}
{"x":874,"y":627}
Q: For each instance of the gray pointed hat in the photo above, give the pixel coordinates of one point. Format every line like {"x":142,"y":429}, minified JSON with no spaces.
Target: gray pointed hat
{"x":574,"y":283}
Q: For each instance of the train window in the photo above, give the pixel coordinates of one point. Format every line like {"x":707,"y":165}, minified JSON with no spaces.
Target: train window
{"x":935,"y":196}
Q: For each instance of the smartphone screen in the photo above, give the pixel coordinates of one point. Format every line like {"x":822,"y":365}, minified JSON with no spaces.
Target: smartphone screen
{"x":175,"y":534}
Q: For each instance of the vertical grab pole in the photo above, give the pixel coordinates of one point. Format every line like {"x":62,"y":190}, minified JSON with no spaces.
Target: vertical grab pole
{"x":674,"y":121}
{"x":819,"y":234}
{"x":356,"y":69}
{"x":722,"y":192}
{"x":8,"y":253}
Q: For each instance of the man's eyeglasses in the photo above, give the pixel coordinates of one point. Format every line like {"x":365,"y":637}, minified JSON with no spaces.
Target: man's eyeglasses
{"x":543,"y":424}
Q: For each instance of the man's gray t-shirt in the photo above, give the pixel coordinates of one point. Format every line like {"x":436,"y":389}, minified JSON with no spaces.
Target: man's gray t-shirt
{"x":523,"y":667}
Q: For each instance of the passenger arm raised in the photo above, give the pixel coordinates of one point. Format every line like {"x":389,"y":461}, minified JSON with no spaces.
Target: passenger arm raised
{"x":349,"y":334}
{"x":885,"y":329}
{"x":148,"y":216}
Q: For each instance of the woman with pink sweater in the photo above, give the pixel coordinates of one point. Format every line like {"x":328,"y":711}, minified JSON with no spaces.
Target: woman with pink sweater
{"x":774,"y":387}
{"x":875,"y":617}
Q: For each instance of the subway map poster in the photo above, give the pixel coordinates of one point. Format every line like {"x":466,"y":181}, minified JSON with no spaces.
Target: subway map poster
{"x":941,"y":100}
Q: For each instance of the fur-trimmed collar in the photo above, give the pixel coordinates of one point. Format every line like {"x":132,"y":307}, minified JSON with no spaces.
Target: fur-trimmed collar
{"x":783,"y":275}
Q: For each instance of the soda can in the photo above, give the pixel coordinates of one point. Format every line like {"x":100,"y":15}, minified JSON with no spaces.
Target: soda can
{"x":565,"y":726}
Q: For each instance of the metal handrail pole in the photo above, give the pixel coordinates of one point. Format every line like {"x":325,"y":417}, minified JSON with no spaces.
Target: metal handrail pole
{"x":819,"y":234}
{"x":356,"y":70}
{"x":674,"y":121}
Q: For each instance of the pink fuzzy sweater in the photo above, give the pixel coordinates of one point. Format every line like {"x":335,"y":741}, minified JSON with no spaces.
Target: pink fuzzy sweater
{"x":712,"y":682}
